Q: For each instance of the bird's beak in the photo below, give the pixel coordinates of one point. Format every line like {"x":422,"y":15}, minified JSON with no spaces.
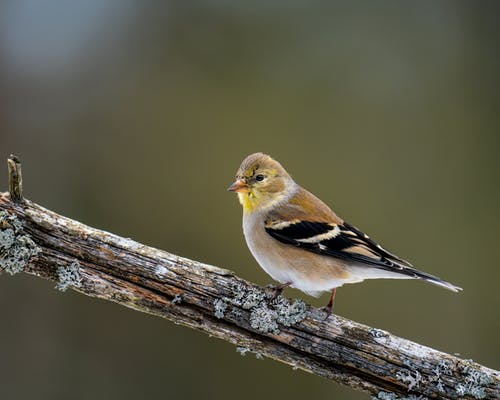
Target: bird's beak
{"x":239,"y":186}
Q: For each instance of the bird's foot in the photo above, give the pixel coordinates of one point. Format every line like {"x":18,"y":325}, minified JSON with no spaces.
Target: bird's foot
{"x":329,"y":307}
{"x":327,"y":310}
{"x":277,"y":290}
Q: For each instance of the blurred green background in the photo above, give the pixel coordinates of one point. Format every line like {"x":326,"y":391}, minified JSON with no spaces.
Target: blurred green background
{"x":133,"y":117}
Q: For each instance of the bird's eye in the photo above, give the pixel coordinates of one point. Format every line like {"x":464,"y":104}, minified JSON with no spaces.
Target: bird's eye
{"x":259,"y":178}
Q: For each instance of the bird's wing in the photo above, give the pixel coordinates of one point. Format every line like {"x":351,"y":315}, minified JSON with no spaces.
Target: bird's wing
{"x":339,"y":240}
{"x":306,"y":222}
{"x":346,"y":242}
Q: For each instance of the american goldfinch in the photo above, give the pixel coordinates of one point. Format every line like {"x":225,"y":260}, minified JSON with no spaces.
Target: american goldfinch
{"x":300,"y":242}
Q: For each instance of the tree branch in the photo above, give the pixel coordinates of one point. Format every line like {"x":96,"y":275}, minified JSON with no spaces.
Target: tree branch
{"x":15,"y":178}
{"x":215,"y":301}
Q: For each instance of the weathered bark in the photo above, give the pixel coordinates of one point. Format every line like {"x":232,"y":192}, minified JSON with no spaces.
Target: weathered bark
{"x":214,"y":300}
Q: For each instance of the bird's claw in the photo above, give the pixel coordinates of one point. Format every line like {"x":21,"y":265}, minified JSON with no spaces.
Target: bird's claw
{"x":327,"y":310}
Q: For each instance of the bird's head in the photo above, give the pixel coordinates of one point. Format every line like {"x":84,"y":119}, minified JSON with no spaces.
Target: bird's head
{"x":261,"y":183}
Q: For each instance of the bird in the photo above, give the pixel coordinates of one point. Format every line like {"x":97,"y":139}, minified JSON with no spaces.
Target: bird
{"x":301,"y":243}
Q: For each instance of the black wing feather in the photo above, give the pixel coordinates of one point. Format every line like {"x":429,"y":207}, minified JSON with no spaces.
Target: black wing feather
{"x":374,"y":246}
{"x":337,"y":246}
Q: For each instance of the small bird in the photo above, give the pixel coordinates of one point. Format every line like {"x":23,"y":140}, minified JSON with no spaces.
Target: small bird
{"x":300,"y":242}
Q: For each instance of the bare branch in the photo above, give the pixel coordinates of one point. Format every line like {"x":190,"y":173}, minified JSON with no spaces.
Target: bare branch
{"x":15,"y":178}
{"x":214,"y":300}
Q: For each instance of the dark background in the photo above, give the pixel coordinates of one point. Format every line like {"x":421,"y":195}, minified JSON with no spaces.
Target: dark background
{"x":133,"y":117}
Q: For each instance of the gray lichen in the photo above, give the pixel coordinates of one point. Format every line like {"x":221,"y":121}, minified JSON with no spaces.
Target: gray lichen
{"x":289,"y":314}
{"x":266,"y":312}
{"x":236,"y":312}
{"x":385,"y":396}
{"x":247,"y":298}
{"x":474,"y":381}
{"x":413,"y":378}
{"x":378,"y":333}
{"x":220,"y":307}
{"x":393,"y":396}
{"x":440,"y":385}
{"x":16,"y":247}
{"x":177,"y":299}
{"x":443,"y":368}
{"x":68,"y":276}
{"x":264,"y":319}
{"x":244,"y":350}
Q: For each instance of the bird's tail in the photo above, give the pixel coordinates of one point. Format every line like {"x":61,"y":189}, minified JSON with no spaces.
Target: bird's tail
{"x":430,"y":278}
